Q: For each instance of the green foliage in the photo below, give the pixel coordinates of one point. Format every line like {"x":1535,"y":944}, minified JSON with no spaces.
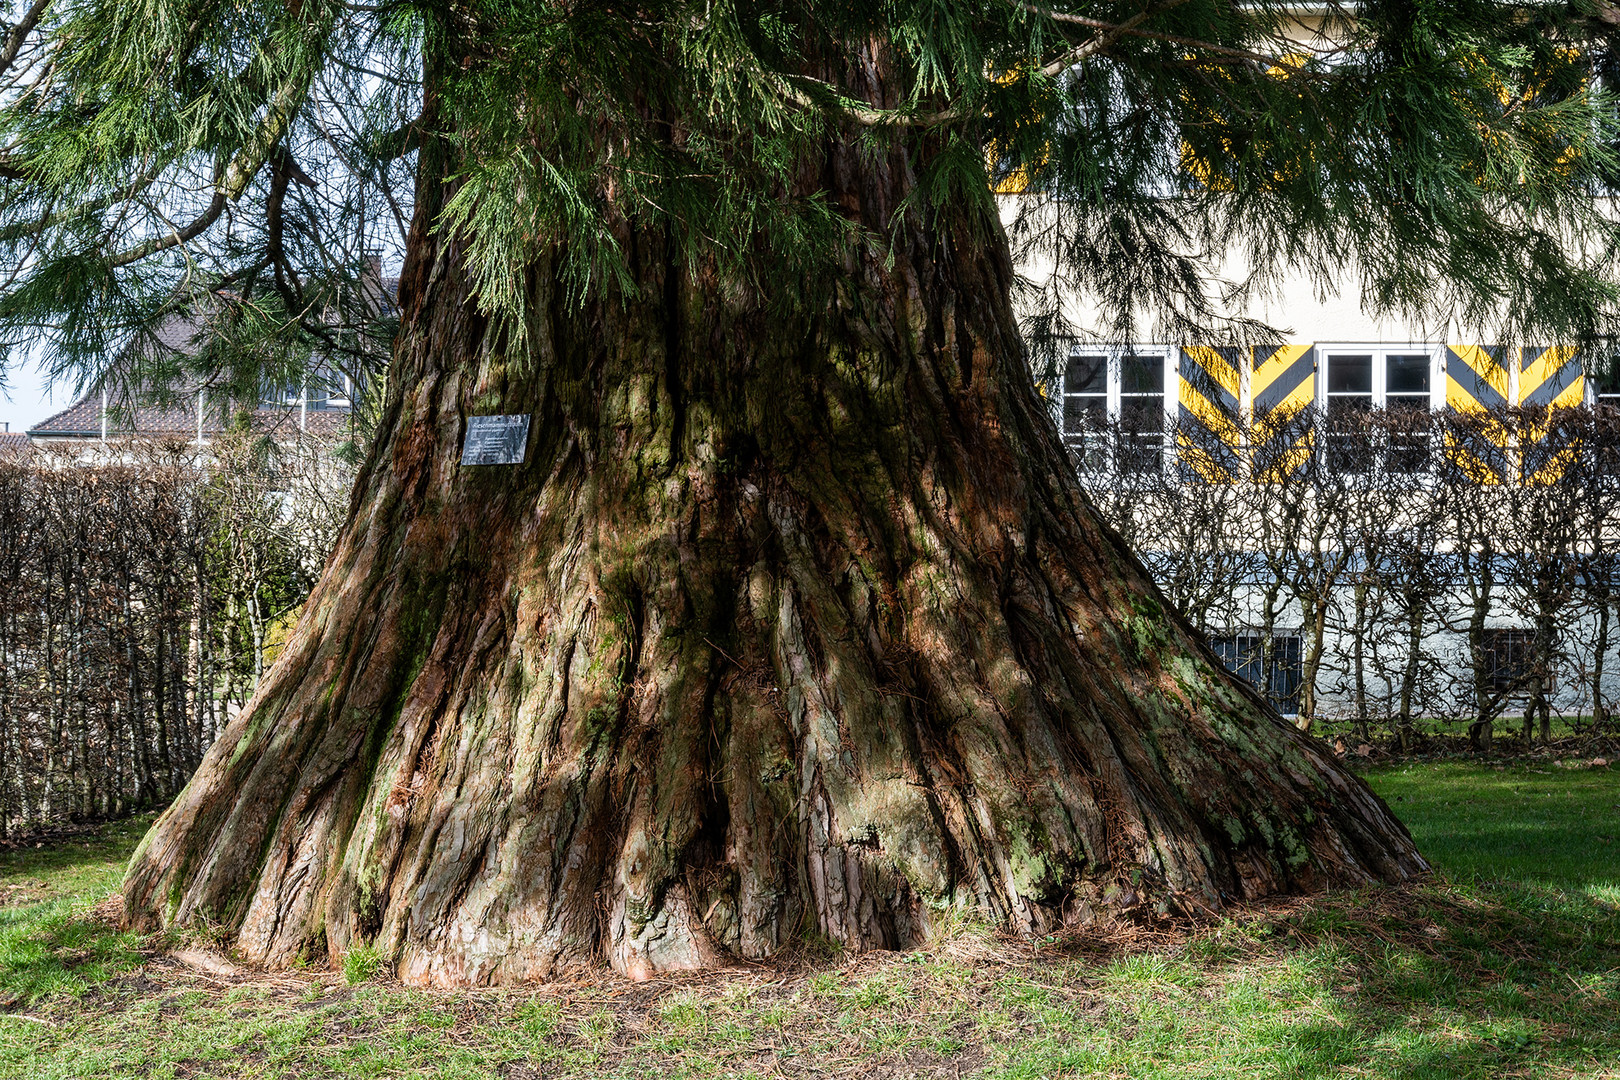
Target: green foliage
{"x":173,"y":159}
{"x":362,"y":963}
{"x":234,"y":162}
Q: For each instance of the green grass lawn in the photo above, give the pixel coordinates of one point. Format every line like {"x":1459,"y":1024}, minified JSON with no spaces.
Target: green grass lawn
{"x":1508,"y":965}
{"x":47,"y":945}
{"x":1554,"y":824}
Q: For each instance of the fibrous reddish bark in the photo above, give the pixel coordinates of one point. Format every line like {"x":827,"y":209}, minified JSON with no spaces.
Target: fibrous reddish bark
{"x":789,"y":624}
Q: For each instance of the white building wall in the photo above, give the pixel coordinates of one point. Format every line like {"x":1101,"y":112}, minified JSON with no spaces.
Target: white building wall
{"x":1448,"y":673}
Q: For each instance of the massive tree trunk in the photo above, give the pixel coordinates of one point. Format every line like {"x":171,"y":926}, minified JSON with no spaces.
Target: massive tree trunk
{"x":793,"y":623}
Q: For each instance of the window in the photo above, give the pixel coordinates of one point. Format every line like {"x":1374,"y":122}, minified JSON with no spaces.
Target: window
{"x":1605,"y":431}
{"x":1407,"y":377}
{"x":1507,"y":658}
{"x":1606,"y":382}
{"x":278,"y":395}
{"x":323,"y":388}
{"x":1349,"y":413}
{"x":1378,"y":405}
{"x":1113,"y":409}
{"x":1141,"y":413}
{"x":1245,"y":656}
{"x":1085,"y":408}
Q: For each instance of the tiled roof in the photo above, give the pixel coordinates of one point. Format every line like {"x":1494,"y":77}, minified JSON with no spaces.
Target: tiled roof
{"x":13,"y":443}
{"x":284,"y":422}
{"x":83,"y":419}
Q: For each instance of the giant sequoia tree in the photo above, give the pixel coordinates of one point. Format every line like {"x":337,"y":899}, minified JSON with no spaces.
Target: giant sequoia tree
{"x":792,"y":621}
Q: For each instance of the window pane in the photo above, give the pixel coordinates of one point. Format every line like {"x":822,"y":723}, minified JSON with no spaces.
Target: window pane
{"x":1250,"y":656}
{"x":1141,"y":416}
{"x":1348,"y":414}
{"x":1232,"y":651}
{"x":1349,"y":375}
{"x":1408,"y":421}
{"x":1090,"y":451}
{"x":1406,"y":374}
{"x":1607,"y":377}
{"x":1141,"y":426}
{"x":1507,"y":657}
{"x":1141,"y":454}
{"x":1287,"y":672}
{"x":1141,"y":375}
{"x":1350,"y":442}
{"x":1086,"y":375}
{"x":1084,"y":414}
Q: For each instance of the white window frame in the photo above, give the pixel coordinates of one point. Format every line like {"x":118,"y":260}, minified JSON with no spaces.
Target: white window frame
{"x":1380,"y":353}
{"x":1169,"y":399}
{"x":1595,"y":394}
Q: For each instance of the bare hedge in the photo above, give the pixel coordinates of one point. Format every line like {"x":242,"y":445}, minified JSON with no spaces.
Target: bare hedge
{"x":1391,"y":546}
{"x":141,"y":594}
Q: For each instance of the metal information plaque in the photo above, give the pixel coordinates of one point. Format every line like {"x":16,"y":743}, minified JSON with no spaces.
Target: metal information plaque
{"x":495,"y":440}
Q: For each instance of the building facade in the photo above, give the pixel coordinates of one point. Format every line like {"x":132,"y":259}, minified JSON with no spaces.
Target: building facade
{"x":1369,"y":530}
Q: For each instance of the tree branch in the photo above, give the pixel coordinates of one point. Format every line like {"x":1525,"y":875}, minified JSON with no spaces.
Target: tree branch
{"x":1131,"y":28}
{"x":1108,"y":33}
{"x":19,"y":34}
{"x":401,"y":141}
{"x":174,"y":238}
{"x":277,"y":118}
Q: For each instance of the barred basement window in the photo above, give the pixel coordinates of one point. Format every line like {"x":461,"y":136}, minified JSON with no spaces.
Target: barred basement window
{"x":1507,"y":658}
{"x":1245,"y":656}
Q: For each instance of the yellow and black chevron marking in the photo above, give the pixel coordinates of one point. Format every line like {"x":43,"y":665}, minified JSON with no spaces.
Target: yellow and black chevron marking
{"x":1476,"y":378}
{"x":1550,"y":379}
{"x":1209,"y":440}
{"x":1477,"y":387}
{"x":1282,"y":385}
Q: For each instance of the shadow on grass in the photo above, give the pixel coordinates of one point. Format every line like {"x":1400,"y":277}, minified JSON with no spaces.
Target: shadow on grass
{"x":50,"y":948}
{"x":1439,"y":980}
{"x":49,"y":941}
{"x":1529,"y":823}
{"x":1444,"y":979}
{"x":55,"y":858}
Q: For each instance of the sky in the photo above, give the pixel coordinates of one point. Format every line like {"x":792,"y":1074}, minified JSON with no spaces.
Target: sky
{"x":26,"y":399}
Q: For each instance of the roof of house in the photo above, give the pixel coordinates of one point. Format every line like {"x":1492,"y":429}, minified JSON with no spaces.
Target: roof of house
{"x":82,"y":420}
{"x":13,"y":444}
